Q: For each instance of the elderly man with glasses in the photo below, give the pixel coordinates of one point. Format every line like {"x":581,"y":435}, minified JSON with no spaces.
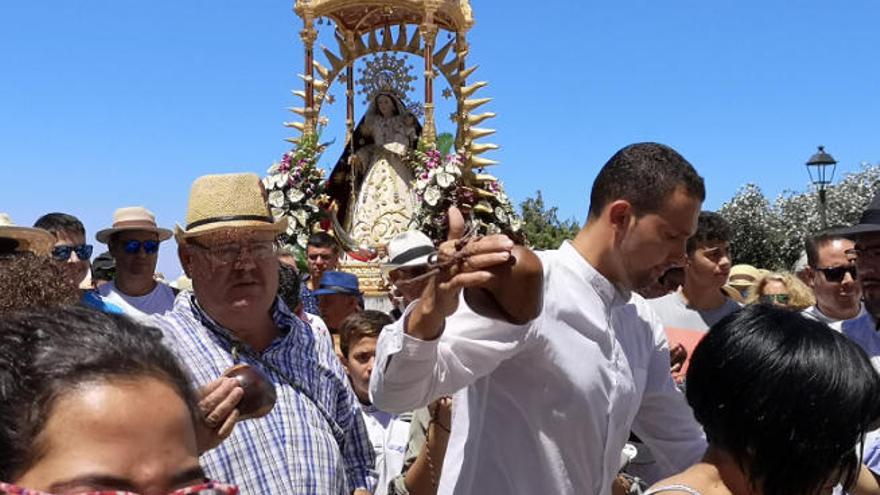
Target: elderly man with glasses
{"x":133,"y":240}
{"x":313,"y":441}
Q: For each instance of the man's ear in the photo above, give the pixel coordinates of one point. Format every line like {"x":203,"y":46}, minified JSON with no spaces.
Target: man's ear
{"x":808,"y":276}
{"x":620,"y":214}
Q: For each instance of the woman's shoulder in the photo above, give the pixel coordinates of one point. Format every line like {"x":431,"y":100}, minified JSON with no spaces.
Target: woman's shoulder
{"x":676,"y":488}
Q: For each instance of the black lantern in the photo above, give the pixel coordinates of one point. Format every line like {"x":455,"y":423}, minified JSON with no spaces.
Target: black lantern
{"x":818,"y":167}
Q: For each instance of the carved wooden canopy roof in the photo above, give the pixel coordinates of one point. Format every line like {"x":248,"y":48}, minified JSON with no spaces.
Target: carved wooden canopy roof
{"x":361,"y":16}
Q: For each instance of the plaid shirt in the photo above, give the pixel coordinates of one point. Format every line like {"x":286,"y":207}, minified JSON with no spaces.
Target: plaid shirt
{"x":293,"y":449}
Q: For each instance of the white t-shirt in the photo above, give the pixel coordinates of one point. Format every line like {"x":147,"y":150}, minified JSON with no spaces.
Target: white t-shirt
{"x":545,"y":407}
{"x":158,"y":301}
{"x":815,"y":313}
{"x":389,"y":434}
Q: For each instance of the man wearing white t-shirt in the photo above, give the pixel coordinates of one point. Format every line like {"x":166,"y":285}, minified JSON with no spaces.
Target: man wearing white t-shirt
{"x":547,"y":406}
{"x":134,"y":240}
{"x":832,"y":275}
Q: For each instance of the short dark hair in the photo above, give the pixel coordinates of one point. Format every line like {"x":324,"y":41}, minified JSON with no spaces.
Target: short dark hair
{"x":47,"y":354}
{"x":785,"y":396}
{"x":812,"y":244}
{"x":322,"y":240}
{"x":711,"y":227}
{"x":29,"y":281}
{"x":645,"y":174}
{"x":289,"y":285}
{"x":60,"y":222}
{"x":366,"y":323}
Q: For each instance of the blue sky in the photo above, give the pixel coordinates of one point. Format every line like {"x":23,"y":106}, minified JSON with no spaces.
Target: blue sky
{"x":115,"y":102}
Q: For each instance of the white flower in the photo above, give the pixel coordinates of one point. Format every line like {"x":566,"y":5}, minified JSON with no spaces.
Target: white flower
{"x":276,"y":198}
{"x":302,"y":239}
{"x":500,"y":215}
{"x":291,"y":227}
{"x":302,"y":217}
{"x":452,"y":168}
{"x":274,"y":168}
{"x":278,"y":181}
{"x":432,"y":196}
{"x":277,"y":213}
{"x":295,"y":195}
{"x":445,"y":180}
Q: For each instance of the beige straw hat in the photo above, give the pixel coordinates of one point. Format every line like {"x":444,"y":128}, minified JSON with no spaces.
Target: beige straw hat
{"x":37,"y":241}
{"x":227,"y":201}
{"x":132,"y":218}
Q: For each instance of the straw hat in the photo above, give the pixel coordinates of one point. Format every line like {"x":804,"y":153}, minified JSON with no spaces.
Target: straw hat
{"x":227,"y":201}
{"x":132,"y":218}
{"x":743,"y":276}
{"x":37,"y":241}
{"x":408,"y":249}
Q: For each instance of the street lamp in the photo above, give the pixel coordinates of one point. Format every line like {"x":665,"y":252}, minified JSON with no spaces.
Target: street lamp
{"x":817,"y":167}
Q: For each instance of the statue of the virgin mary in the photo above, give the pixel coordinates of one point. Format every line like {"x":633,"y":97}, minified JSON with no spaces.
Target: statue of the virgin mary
{"x":372,"y":182}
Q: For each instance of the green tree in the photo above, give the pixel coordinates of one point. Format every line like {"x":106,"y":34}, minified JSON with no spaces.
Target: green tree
{"x":542,"y":226}
{"x":772,"y":236}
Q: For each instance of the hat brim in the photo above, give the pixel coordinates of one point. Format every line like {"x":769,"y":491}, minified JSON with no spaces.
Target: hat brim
{"x":390,"y":267}
{"x":857,"y":230}
{"x":103,"y":236}
{"x":326,"y":292}
{"x":38,"y":241}
{"x":278,"y":226}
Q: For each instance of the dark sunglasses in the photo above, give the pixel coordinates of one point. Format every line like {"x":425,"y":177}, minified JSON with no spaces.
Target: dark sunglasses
{"x":836,"y":274}
{"x":134,"y":246}
{"x":62,"y":253}
{"x":775,"y":298}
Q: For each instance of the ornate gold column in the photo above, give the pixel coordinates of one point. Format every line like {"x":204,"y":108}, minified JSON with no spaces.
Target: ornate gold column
{"x":428,"y":31}
{"x":308,"y":36}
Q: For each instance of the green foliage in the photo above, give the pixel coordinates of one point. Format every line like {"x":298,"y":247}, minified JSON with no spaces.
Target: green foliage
{"x":772,"y":236}
{"x":541,"y":225}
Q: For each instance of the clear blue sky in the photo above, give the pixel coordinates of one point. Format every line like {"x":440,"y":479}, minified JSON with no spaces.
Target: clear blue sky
{"x":115,"y":102}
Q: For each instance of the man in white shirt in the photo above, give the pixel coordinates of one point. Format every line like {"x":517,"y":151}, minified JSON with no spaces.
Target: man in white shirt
{"x":547,"y":406}
{"x":831,"y":273}
{"x":134,"y":240}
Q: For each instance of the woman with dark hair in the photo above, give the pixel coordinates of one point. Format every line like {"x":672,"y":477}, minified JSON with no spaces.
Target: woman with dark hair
{"x":91,"y":402}
{"x":783,"y":400}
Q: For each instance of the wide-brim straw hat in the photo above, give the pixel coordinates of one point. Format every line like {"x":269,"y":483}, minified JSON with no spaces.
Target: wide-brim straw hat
{"x":133,"y":218}
{"x":410,"y":248}
{"x":228,"y":201}
{"x":37,"y":241}
{"x":743,"y":276}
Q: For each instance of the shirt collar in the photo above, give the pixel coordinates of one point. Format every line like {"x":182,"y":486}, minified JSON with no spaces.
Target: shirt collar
{"x":611,"y":295}
{"x":283,"y":318}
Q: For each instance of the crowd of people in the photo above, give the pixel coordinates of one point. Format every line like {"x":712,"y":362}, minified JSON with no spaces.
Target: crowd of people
{"x":635,"y":358}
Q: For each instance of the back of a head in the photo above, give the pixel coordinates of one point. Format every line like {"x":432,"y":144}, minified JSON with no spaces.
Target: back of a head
{"x":47,"y":354}
{"x":787,"y":397}
{"x":289,"y":286}
{"x":645,"y":175}
{"x":30,"y":282}
{"x":711,"y":227}
{"x":60,"y":222}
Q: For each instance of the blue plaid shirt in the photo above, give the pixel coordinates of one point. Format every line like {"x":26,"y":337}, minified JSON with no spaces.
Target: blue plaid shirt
{"x":308,"y":298}
{"x":293,"y":449}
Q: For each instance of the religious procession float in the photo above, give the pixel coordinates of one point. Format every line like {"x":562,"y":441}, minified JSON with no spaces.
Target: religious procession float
{"x":396,"y":172}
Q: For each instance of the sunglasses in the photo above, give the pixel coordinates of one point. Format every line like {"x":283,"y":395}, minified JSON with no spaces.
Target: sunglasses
{"x":836,"y":274}
{"x":62,"y":253}
{"x":207,"y":488}
{"x":134,"y":246}
{"x":775,"y":298}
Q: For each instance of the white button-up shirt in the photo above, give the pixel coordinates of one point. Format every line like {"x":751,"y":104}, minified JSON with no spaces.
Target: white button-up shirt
{"x":548,"y":406}
{"x":389,"y":434}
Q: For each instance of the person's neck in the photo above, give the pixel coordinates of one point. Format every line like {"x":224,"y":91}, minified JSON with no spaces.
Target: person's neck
{"x":838,"y":315}
{"x":594,"y":243}
{"x":134,"y":286}
{"x":701,"y":297}
{"x":724,"y":473}
{"x":314,"y":281}
{"x":257,"y":332}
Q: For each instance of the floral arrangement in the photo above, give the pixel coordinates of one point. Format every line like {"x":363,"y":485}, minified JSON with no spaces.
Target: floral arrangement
{"x":295,"y":186}
{"x":443,"y":180}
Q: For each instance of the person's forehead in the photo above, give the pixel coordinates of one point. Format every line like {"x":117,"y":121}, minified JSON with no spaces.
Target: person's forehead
{"x":64,"y":237}
{"x":319,"y":250}
{"x":713,"y":244}
{"x":235,"y":236}
{"x":127,"y":235}
{"x":363,"y":343}
{"x":835,"y":248}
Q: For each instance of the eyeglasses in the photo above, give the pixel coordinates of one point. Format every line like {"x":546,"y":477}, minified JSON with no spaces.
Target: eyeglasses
{"x":207,"y":488}
{"x":134,"y":246}
{"x":864,"y":253}
{"x":230,"y":253}
{"x":62,"y":253}
{"x":837,"y":273}
{"x":775,"y":298}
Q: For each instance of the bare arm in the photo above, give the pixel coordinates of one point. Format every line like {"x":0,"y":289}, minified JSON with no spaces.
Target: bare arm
{"x":423,"y":475}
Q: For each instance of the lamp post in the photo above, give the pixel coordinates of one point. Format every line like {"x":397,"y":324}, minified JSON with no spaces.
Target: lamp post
{"x":817,"y":167}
